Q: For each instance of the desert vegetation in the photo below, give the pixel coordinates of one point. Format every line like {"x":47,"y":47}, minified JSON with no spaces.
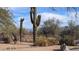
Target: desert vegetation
{"x":48,"y":34}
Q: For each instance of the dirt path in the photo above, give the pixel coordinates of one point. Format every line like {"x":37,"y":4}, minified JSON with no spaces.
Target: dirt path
{"x":26,"y":47}
{"x":49,"y":48}
{"x":29,"y":47}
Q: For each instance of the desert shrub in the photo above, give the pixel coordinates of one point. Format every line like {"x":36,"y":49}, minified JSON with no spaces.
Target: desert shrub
{"x":42,"y":41}
{"x":6,"y":40}
{"x":69,"y":40}
{"x":52,"y":41}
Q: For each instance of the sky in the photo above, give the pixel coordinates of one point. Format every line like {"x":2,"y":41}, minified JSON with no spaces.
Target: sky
{"x":45,"y":12}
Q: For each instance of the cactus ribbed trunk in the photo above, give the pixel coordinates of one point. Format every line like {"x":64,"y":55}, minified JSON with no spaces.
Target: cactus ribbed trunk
{"x":21,"y":24}
{"x":20,"y":31}
{"x":35,"y":20}
{"x":34,"y":34}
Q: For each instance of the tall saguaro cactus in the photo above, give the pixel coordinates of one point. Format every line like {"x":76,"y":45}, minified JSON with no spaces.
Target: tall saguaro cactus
{"x":35,"y":20}
{"x":21,"y":23}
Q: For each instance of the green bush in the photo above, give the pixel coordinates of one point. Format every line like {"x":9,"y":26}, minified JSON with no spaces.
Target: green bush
{"x":69,"y":40}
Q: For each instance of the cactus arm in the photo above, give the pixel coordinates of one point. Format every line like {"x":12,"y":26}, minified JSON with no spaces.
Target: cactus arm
{"x":33,"y":14}
{"x":38,"y":20}
{"x":31,"y":17}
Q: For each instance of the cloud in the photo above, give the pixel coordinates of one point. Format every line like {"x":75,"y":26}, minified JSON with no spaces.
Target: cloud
{"x":19,"y":12}
{"x":24,"y":12}
{"x":26,"y":23}
{"x":72,"y":17}
{"x":73,"y":14}
{"x":46,"y":16}
{"x":62,"y":18}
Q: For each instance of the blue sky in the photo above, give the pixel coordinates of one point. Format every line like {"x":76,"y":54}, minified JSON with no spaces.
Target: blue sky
{"x":46,"y":13}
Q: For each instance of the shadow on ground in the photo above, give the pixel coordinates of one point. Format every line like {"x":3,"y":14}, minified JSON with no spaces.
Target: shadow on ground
{"x":74,"y":48}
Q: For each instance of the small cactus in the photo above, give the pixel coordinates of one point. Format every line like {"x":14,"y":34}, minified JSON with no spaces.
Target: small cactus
{"x":35,"y":20}
{"x":21,"y":23}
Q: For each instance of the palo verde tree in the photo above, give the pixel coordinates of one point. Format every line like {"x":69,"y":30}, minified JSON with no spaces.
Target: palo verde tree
{"x":35,"y":20}
{"x":50,"y":28}
{"x":6,"y":23}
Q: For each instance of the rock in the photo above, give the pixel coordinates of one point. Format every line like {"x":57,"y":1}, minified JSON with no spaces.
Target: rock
{"x":67,"y":48}
{"x":64,"y":47}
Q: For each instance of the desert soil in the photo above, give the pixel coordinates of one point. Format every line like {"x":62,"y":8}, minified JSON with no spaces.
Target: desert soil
{"x":28,"y":47}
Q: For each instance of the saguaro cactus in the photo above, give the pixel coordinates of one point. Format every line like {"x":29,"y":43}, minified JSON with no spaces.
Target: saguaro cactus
{"x":35,"y":20}
{"x":21,"y":23}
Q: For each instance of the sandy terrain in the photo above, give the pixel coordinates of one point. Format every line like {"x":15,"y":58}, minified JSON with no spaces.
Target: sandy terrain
{"x":29,"y":47}
{"x":26,"y":47}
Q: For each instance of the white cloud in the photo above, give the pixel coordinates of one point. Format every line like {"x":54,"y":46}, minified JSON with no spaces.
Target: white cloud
{"x":51,"y":15}
{"x":73,"y":14}
{"x":63,"y":18}
{"x":26,"y":23}
{"x":24,"y":12}
{"x":46,"y":16}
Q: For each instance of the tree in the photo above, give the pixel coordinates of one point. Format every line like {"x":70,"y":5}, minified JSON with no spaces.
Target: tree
{"x":69,"y":33}
{"x":72,"y":26}
{"x":50,"y":27}
{"x":6,"y":22}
